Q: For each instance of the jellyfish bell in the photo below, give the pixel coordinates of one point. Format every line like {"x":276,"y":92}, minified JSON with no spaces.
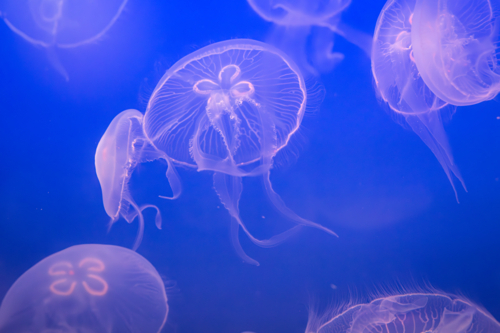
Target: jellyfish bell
{"x":54,"y":24}
{"x":400,"y":85}
{"x":229,"y":108}
{"x":120,"y":149}
{"x":305,"y":30}
{"x":87,"y":288}
{"x":417,"y":312}
{"x":456,"y":49}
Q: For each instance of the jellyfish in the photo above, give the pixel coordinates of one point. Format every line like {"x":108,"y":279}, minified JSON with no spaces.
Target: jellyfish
{"x":53,"y":24}
{"x":87,"y":288}
{"x":227,"y":108}
{"x":422,"y":312}
{"x":120,"y":149}
{"x":305,"y":30}
{"x":429,"y":57}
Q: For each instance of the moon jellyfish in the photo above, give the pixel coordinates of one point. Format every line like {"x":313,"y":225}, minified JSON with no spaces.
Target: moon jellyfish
{"x":430,"y":56}
{"x":305,"y":30}
{"x":87,"y":288}
{"x":227,"y":108}
{"x":53,"y":24}
{"x":121,"y":148}
{"x":408,"y":313}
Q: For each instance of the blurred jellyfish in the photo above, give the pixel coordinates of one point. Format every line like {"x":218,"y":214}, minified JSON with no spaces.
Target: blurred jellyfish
{"x":120,"y":149}
{"x":407,"y":313}
{"x":55,"y":24}
{"x":87,"y":288}
{"x":304,"y":29}
{"x":429,"y":56}
{"x":227,"y":108}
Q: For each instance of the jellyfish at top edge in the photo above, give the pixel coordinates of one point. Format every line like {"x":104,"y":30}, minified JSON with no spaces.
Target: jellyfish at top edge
{"x":229,"y":108}
{"x":456,"y":47}
{"x":305,"y":30}
{"x":53,"y":24}
{"x":434,"y":312}
{"x":87,"y":288}
{"x":401,"y":86}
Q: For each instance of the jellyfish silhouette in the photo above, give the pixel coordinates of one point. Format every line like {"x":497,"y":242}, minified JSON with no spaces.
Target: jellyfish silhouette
{"x":409,"y":313}
{"x":226,"y":108}
{"x":305,"y":29}
{"x":431,"y":56}
{"x":53,"y":24}
{"x":87,"y":288}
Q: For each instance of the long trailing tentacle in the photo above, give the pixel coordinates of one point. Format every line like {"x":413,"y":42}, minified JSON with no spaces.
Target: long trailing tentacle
{"x":229,"y":190}
{"x":429,"y":128}
{"x":282,"y":208}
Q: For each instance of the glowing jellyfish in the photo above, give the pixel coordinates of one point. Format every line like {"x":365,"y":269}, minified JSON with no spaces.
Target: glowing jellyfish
{"x":87,"y":288}
{"x":429,"y":56}
{"x":408,"y":313}
{"x":226,"y":108}
{"x":305,"y":30}
{"x":120,"y":149}
{"x":55,"y":24}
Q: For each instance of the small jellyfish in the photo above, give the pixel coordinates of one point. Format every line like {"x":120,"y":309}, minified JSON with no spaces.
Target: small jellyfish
{"x":429,"y":57}
{"x":407,"y":313}
{"x":87,"y":288}
{"x":226,"y":108}
{"x":53,"y":24}
{"x":120,"y":149}
{"x":305,"y":29}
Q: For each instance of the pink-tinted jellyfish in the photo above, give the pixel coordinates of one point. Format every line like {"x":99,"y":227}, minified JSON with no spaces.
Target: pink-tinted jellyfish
{"x":304,"y":29}
{"x":456,"y":48}
{"x":55,"y":24}
{"x":229,"y":108}
{"x":408,"y":313}
{"x":432,"y":55}
{"x":120,"y":149}
{"x":87,"y":288}
{"x":400,"y":84}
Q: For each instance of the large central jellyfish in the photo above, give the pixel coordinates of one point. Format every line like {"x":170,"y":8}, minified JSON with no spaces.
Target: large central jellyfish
{"x":65,"y":24}
{"x":305,"y":30}
{"x":408,"y":313}
{"x":432,"y":55}
{"x":226,"y":108}
{"x":87,"y":288}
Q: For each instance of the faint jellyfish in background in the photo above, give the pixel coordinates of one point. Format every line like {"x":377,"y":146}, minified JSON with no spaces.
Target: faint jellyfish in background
{"x":227,"y":108}
{"x":430,"y":56}
{"x":407,"y":313}
{"x":87,"y":288}
{"x":53,"y":24}
{"x":121,"y":148}
{"x":305,"y":30}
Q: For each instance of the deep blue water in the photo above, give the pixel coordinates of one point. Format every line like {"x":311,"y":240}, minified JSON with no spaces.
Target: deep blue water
{"x":356,"y":171}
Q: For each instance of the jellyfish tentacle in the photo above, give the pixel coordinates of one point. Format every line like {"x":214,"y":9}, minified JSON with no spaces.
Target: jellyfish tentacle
{"x":429,"y":128}
{"x":282,"y":208}
{"x":56,"y":63}
{"x":173,"y":180}
{"x":362,"y":40}
{"x":229,"y":189}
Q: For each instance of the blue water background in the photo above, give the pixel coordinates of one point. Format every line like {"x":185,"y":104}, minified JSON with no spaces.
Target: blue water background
{"x":353,"y":170}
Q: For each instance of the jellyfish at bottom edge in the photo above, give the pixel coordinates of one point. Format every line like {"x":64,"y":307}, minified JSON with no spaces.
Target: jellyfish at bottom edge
{"x":87,"y":288}
{"x":120,"y":149}
{"x":419,"y":312}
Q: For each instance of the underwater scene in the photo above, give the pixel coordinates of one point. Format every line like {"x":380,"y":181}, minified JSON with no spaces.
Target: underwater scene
{"x":250,"y":166}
